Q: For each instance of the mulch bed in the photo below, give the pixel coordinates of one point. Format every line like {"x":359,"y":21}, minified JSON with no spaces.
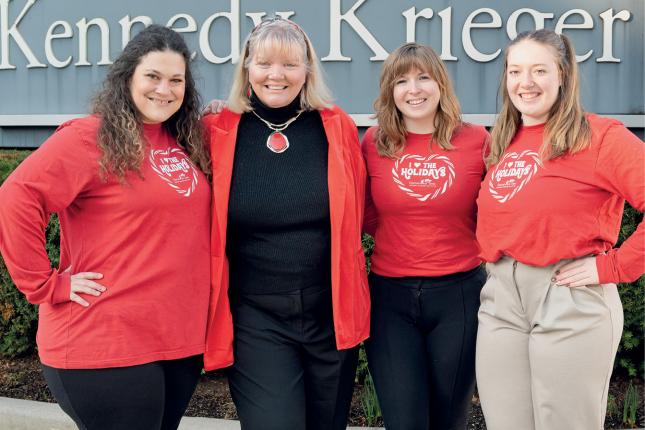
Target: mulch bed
{"x":21,"y":378}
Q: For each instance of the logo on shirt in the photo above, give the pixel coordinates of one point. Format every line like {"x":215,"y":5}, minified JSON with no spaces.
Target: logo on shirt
{"x":175,"y":169}
{"x":512,"y":173}
{"x":423,"y":177}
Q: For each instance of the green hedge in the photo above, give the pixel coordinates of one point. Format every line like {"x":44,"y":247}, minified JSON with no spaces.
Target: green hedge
{"x":18,"y":318}
{"x":631,"y":350}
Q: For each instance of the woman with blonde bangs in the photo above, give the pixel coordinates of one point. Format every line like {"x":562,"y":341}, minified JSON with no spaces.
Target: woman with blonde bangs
{"x":424,"y":168}
{"x":289,"y":184}
{"x":549,"y":212}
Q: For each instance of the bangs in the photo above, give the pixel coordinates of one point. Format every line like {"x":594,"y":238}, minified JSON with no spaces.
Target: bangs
{"x":279,"y":43}
{"x":409,"y":60}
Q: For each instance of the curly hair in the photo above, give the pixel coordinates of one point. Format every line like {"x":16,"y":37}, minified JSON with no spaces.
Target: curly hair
{"x":120,"y":136}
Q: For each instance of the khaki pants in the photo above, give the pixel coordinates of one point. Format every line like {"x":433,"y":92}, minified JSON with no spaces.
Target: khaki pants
{"x":544,"y":352}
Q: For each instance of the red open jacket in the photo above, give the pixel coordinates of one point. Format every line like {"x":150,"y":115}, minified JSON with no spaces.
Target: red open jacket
{"x":346,"y":181}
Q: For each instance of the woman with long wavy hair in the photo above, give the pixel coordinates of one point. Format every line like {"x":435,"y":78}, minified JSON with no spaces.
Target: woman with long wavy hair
{"x":424,"y":169}
{"x":122,"y":321}
{"x":549,"y":212}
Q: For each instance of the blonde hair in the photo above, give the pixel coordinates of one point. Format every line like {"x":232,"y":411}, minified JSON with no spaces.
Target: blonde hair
{"x":567,"y":129}
{"x":390,"y":135}
{"x":289,"y":39}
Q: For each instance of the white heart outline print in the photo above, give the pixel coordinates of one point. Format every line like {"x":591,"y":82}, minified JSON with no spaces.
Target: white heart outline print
{"x":423,"y":197}
{"x":514,"y":156}
{"x":164,"y":177}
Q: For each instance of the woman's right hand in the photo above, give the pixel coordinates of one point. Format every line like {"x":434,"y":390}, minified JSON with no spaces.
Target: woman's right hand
{"x":82,"y":283}
{"x":214,"y":106}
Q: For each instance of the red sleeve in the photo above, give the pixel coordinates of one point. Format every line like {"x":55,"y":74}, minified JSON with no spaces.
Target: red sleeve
{"x":370,"y":217}
{"x":621,"y":162}
{"x":45,"y":182}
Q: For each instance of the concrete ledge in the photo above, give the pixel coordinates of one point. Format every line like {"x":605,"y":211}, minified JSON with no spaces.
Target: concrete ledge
{"x":29,"y":415}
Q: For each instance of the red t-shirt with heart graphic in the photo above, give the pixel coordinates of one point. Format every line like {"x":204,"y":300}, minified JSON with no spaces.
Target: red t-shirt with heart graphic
{"x":568,"y":207}
{"x":420,"y":207}
{"x":148,"y":237}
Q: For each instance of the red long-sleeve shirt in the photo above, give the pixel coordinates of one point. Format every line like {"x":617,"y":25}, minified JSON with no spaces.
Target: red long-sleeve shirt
{"x":421,"y":207}
{"x":149,"y":238}
{"x":567,"y":207}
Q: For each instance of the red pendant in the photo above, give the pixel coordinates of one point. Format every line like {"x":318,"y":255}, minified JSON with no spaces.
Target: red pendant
{"x":277,"y":142}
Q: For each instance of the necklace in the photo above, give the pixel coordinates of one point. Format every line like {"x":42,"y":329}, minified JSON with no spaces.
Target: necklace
{"x":277,"y":142}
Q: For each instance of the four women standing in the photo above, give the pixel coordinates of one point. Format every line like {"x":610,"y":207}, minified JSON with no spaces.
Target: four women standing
{"x":289,"y":301}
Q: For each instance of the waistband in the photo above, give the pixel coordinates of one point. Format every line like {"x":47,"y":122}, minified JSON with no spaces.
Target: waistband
{"x":451,"y":277}
{"x":506,"y":261}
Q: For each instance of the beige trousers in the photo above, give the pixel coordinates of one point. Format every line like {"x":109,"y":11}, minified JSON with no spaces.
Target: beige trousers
{"x":544,"y":352}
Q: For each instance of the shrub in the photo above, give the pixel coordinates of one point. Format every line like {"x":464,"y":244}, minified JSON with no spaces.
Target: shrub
{"x":18,"y":318}
{"x":631,"y":350}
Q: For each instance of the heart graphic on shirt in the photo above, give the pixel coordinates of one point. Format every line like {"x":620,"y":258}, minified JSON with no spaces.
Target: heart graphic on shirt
{"x":512,"y":173}
{"x":423,"y":178}
{"x":175,"y":168}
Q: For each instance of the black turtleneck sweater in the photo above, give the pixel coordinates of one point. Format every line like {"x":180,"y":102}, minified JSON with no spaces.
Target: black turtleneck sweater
{"x":278,"y":237}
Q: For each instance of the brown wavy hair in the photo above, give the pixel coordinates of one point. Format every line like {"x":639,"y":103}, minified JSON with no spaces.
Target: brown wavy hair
{"x":120,"y":136}
{"x":567,"y":129}
{"x":390,"y":135}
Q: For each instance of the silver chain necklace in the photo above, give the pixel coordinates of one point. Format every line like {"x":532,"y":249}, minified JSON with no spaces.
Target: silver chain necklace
{"x":277,"y":142}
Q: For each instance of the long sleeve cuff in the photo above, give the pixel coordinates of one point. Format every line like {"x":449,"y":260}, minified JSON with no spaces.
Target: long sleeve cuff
{"x":611,"y":271}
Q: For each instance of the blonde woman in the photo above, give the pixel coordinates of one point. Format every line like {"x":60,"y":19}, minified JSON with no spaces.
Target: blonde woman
{"x":286,"y":247}
{"x":424,"y":170}
{"x":549,"y":212}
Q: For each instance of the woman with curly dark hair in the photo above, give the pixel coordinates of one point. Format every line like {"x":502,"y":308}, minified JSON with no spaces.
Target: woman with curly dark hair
{"x":122,"y":321}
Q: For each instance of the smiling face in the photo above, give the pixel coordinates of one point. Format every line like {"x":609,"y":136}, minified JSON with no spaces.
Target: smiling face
{"x":277,"y":76}
{"x":416,"y":95}
{"x":532,"y":80}
{"x":157,"y":85}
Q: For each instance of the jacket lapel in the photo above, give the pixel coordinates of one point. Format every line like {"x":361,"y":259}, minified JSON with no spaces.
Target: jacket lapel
{"x":336,"y":175}
{"x":223,"y":137}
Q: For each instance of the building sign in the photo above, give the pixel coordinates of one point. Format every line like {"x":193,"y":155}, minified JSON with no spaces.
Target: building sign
{"x":54,"y":53}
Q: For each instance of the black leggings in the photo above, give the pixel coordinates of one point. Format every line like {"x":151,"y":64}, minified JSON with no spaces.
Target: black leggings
{"x":150,"y":396}
{"x":421,"y":350}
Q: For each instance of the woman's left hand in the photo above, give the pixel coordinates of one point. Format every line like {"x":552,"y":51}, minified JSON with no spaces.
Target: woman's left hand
{"x":578,"y":273}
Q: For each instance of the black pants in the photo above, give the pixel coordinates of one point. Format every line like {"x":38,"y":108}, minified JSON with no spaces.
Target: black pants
{"x":288,"y":374}
{"x":421,"y":350}
{"x":150,"y":396}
